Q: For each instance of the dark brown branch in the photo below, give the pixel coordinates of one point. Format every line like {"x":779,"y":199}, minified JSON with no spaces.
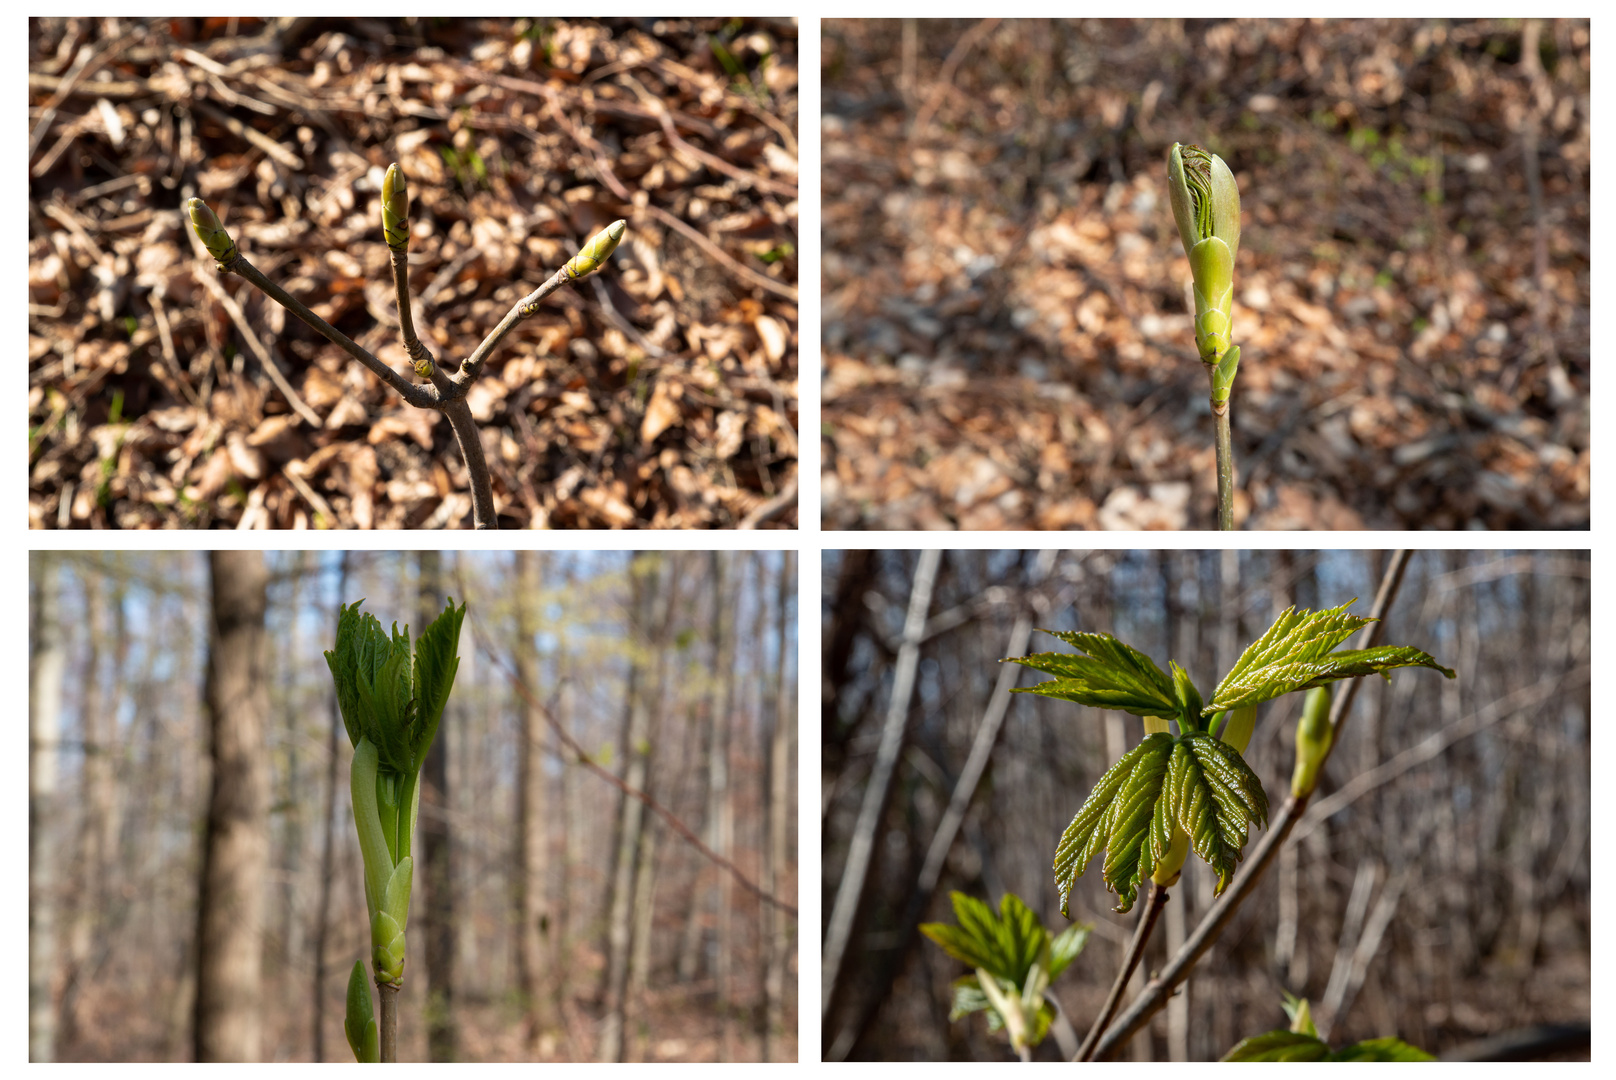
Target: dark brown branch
{"x":418,"y":396}
{"x":1154,"y":902}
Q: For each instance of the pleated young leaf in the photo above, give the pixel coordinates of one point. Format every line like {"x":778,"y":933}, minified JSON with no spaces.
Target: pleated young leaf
{"x":1116,"y":818}
{"x":435,"y":668}
{"x":1298,"y":653}
{"x":1387,"y":1049}
{"x":1109,"y":675}
{"x":1212,"y":794}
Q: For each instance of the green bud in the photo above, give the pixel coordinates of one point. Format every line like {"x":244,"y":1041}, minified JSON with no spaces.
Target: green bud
{"x":395,"y":208}
{"x":1171,"y":864}
{"x":1189,"y":699}
{"x":211,"y":232}
{"x":594,"y":254}
{"x":1237,"y":727}
{"x":1313,"y":738}
{"x":1206,"y":208}
{"x":387,"y":948}
{"x":360,"y":1022}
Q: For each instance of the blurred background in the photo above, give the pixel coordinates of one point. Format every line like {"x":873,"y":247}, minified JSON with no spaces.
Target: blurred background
{"x":607,"y":934}
{"x":1437,"y":888}
{"x":1006,"y":330}
{"x":662,"y":393}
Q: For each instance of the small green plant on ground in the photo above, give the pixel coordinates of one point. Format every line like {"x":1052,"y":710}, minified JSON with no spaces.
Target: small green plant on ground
{"x":1015,"y":960}
{"x":1301,"y":1042}
{"x":391,"y":702}
{"x":1206,"y":208}
{"x":1192,"y":789}
{"x":449,"y":382}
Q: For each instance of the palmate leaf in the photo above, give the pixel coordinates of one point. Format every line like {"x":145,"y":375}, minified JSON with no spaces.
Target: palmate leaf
{"x":1067,"y":944}
{"x":1195,"y":782}
{"x":1109,"y":675}
{"x":1297,"y":653}
{"x":1005,"y":945}
{"x":1116,"y":818}
{"x":1213,"y":796}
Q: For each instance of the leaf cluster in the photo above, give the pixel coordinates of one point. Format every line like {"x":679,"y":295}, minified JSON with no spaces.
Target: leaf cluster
{"x":1194,"y":780}
{"x":1011,"y":947}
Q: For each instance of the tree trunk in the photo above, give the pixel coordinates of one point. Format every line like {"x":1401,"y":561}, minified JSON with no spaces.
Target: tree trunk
{"x":436,"y":854}
{"x":47,"y":663}
{"x":531,"y":856}
{"x":645,"y":572}
{"x":719,"y":812}
{"x":230,"y":905}
{"x":777,"y":942}
{"x":690,"y":947}
{"x":327,"y":842}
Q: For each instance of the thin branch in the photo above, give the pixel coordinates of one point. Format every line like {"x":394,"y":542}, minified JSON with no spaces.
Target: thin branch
{"x":271,"y":368}
{"x":862,"y":847}
{"x":1154,"y":902}
{"x":419,"y":396}
{"x":522,"y":309}
{"x":471,"y":448}
{"x":581,"y":757}
{"x":1160,"y":988}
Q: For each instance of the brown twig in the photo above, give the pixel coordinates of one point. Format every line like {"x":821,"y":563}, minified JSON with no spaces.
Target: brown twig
{"x":581,"y":757}
{"x":387,"y":1022}
{"x":768,"y":511}
{"x":945,"y":77}
{"x":1154,"y":902}
{"x":260,"y":350}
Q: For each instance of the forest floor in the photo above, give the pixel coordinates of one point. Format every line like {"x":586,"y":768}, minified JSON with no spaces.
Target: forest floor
{"x":661,"y":393}
{"x":1006,"y":335}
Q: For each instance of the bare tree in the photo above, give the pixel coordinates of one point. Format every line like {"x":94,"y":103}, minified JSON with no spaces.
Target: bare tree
{"x":230,"y":905}
{"x":776,"y":944}
{"x":531,"y":856}
{"x":47,"y":663}
{"x":647,"y":593}
{"x":437,"y":854}
{"x":322,"y":920}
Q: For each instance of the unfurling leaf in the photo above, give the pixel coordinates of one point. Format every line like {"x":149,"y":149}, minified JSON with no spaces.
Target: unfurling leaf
{"x":1297,"y":653}
{"x":1110,"y":675}
{"x":1116,"y":818}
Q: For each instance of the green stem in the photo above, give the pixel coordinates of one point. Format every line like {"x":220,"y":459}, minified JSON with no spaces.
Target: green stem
{"x":1225,"y":448}
{"x":1147,"y":921}
{"x":387,"y":997}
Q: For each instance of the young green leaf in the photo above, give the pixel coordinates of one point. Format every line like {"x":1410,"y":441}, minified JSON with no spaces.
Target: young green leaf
{"x":1066,"y":946}
{"x":1279,"y":1046}
{"x":1387,"y":1049}
{"x":1297,"y":653}
{"x":1214,"y":796}
{"x":1109,"y":675}
{"x":1296,"y":1046}
{"x":1116,"y":818}
{"x":435,"y":668}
